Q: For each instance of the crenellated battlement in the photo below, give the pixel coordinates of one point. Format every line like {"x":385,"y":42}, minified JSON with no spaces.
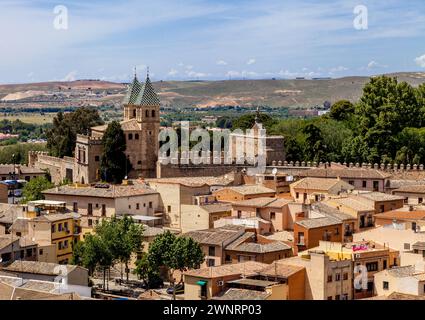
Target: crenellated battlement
{"x":393,"y":167}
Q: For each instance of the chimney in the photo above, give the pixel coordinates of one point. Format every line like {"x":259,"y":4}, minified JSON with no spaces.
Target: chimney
{"x":299,"y":216}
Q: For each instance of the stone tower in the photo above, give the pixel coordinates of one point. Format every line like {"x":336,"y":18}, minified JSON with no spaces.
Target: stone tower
{"x":141,"y":126}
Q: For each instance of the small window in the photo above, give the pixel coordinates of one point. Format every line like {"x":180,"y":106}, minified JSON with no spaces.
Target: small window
{"x":75,"y":207}
{"x":272,"y":215}
{"x":153,"y":113}
{"x":297,"y":195}
{"x":385,"y":285}
{"x":129,"y":207}
{"x":90,"y":222}
{"x":351,"y":182}
{"x":134,"y":113}
{"x":364,"y":183}
{"x":330,"y":298}
{"x":60,"y":227}
{"x":130,"y":136}
{"x":330,"y":278}
{"x":136,"y":136}
{"x":372,"y":266}
{"x":150,"y":204}
{"x":337,"y":277}
{"x":97,"y":158}
{"x":139,"y":162}
{"x":337,"y":297}
{"x":169,"y":209}
{"x":211,"y":251}
{"x":53,"y":228}
{"x":40,"y":252}
{"x":147,"y":113}
{"x":137,"y":206}
{"x":420,"y":200}
{"x":345,"y":276}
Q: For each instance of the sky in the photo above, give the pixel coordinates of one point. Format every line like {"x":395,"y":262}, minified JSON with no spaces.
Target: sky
{"x":45,"y":40}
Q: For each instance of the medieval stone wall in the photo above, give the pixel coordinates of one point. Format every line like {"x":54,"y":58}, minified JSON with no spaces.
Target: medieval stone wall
{"x":58,"y":168}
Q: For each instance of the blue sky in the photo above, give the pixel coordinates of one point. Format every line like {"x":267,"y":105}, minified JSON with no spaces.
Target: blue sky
{"x":208,"y":39}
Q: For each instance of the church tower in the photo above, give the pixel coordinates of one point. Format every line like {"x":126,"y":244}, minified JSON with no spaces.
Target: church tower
{"x":141,"y":126}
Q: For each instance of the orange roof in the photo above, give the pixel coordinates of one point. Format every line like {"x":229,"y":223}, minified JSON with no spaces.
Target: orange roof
{"x":402,"y":215}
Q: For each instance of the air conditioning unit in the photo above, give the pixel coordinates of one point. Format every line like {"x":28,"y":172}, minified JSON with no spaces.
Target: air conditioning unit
{"x":220,"y":283}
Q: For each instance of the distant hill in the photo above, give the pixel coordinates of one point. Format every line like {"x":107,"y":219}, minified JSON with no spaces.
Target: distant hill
{"x":301,"y":93}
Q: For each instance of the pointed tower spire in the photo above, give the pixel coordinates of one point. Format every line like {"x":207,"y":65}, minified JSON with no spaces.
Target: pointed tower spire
{"x":147,"y":95}
{"x":135,"y":72}
{"x":147,"y":72}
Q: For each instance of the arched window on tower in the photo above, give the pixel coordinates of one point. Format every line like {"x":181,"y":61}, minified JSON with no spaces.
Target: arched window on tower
{"x":147,"y":113}
{"x":130,"y":136}
{"x":153,"y":113}
{"x":136,"y":136}
{"x":134,"y":113}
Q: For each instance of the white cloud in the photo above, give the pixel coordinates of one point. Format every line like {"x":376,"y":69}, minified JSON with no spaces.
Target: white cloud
{"x":173,"y":72}
{"x":221,"y":63}
{"x":337,"y":69}
{"x":233,"y":74}
{"x":374,"y":65}
{"x":290,"y":74}
{"x":141,"y":67}
{"x":189,"y":67}
{"x":251,"y":61}
{"x":420,"y":61}
{"x":71,"y":76}
{"x":193,"y":74}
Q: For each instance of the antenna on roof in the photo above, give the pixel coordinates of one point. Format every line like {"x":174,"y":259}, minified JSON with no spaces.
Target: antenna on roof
{"x":135,"y":71}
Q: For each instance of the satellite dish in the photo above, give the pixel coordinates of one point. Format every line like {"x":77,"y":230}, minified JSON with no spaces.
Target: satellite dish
{"x":274,"y":171}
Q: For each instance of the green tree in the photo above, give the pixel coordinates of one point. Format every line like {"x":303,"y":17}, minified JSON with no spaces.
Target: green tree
{"x":187,"y":254}
{"x":61,"y":138}
{"x":247,"y":121}
{"x":341,"y":110}
{"x":145,"y":270}
{"x":315,"y":146}
{"x":174,"y":253}
{"x":18,"y":153}
{"x":123,"y":237}
{"x":33,"y":189}
{"x":114,"y":164}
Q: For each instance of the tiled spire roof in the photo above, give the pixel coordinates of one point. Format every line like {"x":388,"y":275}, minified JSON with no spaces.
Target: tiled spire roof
{"x":133,"y":91}
{"x":147,"y":95}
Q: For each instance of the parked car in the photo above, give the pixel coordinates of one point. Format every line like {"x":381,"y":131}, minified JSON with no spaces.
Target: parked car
{"x":179,"y":289}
